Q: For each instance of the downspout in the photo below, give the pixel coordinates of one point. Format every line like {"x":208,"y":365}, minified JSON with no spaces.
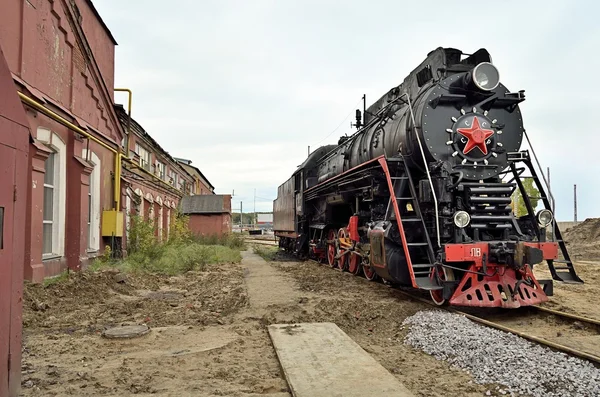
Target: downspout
{"x":38,"y":106}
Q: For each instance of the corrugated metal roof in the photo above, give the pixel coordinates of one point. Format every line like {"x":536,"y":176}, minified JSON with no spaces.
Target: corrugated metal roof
{"x":203,"y":204}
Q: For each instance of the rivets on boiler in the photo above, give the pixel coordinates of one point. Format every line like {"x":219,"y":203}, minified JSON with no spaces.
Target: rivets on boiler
{"x":455,"y":154}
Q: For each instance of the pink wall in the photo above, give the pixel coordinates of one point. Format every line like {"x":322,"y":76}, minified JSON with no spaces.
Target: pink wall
{"x":102,"y":45}
{"x":43,"y":51}
{"x":210,"y":224}
{"x":14,"y":147}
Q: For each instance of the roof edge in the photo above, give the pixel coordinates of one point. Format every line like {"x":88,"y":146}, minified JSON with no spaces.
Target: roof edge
{"x":97,"y":14}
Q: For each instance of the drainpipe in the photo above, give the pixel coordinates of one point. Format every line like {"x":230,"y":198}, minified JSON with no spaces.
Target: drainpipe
{"x":128,"y":91}
{"x":38,"y":106}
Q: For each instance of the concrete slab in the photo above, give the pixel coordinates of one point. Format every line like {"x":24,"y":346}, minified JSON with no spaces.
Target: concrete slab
{"x":320,"y":360}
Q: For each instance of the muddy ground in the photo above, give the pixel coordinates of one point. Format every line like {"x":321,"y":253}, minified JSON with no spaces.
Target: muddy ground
{"x":208,"y":330}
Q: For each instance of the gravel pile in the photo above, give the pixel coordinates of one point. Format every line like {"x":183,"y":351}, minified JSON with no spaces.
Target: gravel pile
{"x":497,"y":357}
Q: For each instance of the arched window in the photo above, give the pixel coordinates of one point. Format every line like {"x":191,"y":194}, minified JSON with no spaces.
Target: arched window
{"x":55,"y":188}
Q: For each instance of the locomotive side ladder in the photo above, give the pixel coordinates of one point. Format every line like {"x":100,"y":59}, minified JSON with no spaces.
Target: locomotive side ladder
{"x":565,"y":271}
{"x":419,"y":249}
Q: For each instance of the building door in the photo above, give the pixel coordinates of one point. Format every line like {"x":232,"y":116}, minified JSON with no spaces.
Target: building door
{"x":7,"y":183}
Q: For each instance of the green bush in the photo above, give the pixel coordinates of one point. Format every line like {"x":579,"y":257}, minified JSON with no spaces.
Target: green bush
{"x":179,"y":258}
{"x":181,"y":252}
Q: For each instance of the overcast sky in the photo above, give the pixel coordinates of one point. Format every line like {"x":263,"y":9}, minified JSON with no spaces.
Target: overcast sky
{"x":243,"y":87}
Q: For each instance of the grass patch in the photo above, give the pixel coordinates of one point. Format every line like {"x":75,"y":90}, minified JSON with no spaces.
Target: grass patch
{"x":180,"y":253}
{"x":64,"y":276}
{"x":266,"y":252}
{"x":180,"y":258}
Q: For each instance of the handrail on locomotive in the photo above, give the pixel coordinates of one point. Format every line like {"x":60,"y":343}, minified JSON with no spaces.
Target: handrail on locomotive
{"x":462,"y":120}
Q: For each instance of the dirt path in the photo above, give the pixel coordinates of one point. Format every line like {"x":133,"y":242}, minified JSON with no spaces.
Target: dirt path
{"x":208,"y":330}
{"x":266,"y":286}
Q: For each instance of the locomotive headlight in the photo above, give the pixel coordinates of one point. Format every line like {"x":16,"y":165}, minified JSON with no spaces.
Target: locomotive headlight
{"x":462,"y":219}
{"x":485,"y":76}
{"x":544,"y":217}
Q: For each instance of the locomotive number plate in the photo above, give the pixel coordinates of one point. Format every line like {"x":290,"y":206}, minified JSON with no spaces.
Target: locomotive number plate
{"x":475,"y":252}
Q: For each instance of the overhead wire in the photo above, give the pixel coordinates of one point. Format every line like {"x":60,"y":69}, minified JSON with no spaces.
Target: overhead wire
{"x":336,"y":128}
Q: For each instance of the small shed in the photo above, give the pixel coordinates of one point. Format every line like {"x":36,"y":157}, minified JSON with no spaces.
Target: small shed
{"x":209,"y":214}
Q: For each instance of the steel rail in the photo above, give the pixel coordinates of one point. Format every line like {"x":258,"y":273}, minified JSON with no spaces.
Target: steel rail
{"x":537,"y":339}
{"x":588,"y":356}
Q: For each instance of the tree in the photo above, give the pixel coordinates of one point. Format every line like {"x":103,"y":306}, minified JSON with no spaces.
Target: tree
{"x":518,"y":204}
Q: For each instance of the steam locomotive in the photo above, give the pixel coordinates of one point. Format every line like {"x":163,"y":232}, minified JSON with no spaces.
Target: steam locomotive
{"x":421,"y":194}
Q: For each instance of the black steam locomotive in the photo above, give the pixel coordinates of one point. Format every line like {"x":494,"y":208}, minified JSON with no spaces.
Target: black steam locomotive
{"x":420,"y":195}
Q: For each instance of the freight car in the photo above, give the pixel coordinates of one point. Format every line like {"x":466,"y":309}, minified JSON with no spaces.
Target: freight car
{"x":420,"y":195}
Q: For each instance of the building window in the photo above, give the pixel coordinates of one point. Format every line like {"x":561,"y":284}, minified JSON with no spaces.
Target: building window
{"x":93,"y":232}
{"x":144,"y":157}
{"x":49,"y":207}
{"x":173,"y":178}
{"x":54,"y":196}
{"x":160,"y":170}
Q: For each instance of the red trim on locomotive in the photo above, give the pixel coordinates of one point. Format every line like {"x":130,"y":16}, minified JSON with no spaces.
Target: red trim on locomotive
{"x":353,"y":228}
{"x":399,"y":221}
{"x":502,"y":286}
{"x":550,"y":249}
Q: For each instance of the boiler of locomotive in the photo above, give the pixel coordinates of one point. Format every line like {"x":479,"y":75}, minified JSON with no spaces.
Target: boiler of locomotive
{"x":466,"y":119}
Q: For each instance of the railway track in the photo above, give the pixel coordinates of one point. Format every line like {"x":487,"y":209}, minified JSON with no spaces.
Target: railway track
{"x":262,"y":242}
{"x":572,"y":334}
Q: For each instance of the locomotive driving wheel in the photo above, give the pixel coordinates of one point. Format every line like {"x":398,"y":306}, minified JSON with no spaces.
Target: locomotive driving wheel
{"x":331,"y":248}
{"x":342,"y":260}
{"x":354,"y":264}
{"x":446,"y":275}
{"x":369,"y":272}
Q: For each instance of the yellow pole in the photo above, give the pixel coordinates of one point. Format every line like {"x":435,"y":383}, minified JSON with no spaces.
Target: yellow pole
{"x":127,"y":90}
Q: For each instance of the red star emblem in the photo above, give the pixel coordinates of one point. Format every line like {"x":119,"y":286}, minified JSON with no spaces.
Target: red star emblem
{"x":476,"y":137}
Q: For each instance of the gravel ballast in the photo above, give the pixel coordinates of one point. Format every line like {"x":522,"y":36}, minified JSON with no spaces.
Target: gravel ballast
{"x":497,"y":357}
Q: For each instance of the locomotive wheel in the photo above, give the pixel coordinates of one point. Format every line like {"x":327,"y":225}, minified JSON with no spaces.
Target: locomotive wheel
{"x":369,"y":273}
{"x":354,"y":264}
{"x":343,"y":260}
{"x":331,"y":249}
{"x":438,"y":295}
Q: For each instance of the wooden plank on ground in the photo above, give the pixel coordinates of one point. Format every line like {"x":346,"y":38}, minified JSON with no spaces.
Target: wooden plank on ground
{"x":319,"y":359}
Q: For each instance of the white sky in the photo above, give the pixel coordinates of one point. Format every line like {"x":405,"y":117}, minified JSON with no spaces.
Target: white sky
{"x":243,"y":87}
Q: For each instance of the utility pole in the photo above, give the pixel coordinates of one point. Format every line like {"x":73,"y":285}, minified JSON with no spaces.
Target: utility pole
{"x":241,"y":215}
{"x":254,"y":218}
{"x":309,"y":150}
{"x":575,"y":202}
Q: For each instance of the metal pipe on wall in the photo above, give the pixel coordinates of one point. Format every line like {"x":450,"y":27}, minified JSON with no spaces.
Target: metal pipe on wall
{"x":130,"y":94}
{"x":38,"y":106}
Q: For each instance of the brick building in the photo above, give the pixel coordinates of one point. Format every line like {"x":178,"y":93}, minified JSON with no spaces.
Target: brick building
{"x":14,"y":150}
{"x":201,"y":183}
{"x":61,"y":56}
{"x":208,"y":214}
{"x":153,"y":181}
